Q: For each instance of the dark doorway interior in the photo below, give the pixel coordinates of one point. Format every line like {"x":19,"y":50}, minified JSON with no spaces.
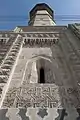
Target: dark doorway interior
{"x":42,"y":77}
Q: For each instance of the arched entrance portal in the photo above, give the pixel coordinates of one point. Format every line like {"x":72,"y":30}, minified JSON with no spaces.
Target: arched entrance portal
{"x":39,"y":70}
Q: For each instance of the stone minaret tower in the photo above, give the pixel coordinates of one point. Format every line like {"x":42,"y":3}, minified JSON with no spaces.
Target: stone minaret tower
{"x":30,"y":58}
{"x":41,"y":15}
{"x":40,"y":68}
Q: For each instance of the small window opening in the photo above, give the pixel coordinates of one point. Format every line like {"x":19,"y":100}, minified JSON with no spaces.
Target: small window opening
{"x":42,"y":77}
{"x":2,"y":41}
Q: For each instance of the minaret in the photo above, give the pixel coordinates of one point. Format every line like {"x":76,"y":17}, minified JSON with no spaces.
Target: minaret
{"x":41,"y":15}
{"x":40,"y":70}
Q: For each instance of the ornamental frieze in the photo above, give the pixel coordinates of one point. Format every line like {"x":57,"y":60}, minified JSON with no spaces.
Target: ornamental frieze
{"x":40,"y":41}
{"x":40,"y":114}
{"x":41,"y":35}
{"x":33,"y":38}
{"x":42,"y":95}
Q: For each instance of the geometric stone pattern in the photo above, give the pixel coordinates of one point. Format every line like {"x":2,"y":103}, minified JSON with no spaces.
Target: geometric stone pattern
{"x":72,"y":49}
{"x":39,"y":114}
{"x":5,"y":44}
{"x":40,"y":42}
{"x":8,"y":62}
{"x":42,"y":35}
{"x":38,"y":96}
{"x":25,"y":101}
{"x":42,"y":95}
{"x":5,"y":62}
{"x":40,"y":39}
{"x":75,"y":28}
{"x":29,"y":95}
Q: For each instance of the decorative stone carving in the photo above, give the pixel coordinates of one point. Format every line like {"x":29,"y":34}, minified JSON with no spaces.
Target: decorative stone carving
{"x":40,"y":42}
{"x":27,"y":96}
{"x":39,"y":114}
{"x":41,"y":95}
{"x":8,"y":62}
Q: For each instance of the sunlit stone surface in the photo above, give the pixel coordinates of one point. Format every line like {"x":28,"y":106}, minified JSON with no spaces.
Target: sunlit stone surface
{"x":40,"y":69}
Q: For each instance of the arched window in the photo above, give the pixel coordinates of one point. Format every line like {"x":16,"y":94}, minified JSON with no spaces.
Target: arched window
{"x":42,"y":76}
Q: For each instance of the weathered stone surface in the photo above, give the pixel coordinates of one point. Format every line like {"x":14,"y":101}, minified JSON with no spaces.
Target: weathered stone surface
{"x":42,"y":95}
{"x":55,"y":49}
{"x":62,"y":68}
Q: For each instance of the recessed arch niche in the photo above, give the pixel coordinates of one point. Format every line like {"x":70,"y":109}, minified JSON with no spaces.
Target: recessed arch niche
{"x":41,"y":70}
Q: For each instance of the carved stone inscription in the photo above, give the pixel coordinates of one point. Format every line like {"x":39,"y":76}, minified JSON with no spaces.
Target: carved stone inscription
{"x":42,"y":95}
{"x":33,"y":95}
{"x":38,"y":96}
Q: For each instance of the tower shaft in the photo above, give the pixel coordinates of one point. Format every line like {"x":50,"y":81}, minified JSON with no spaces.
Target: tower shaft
{"x":41,"y":15}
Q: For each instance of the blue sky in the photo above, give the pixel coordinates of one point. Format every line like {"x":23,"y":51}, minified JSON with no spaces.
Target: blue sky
{"x":16,"y":12}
